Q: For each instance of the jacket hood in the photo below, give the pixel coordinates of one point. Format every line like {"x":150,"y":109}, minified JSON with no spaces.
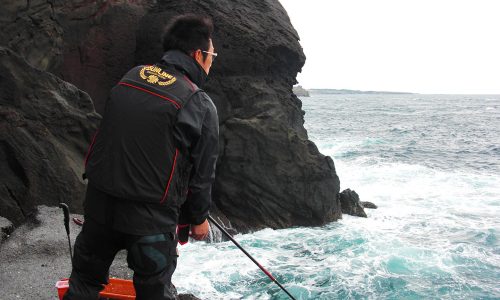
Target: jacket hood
{"x":187,"y":65}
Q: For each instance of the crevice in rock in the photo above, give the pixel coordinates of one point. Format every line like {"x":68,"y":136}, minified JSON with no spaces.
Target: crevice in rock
{"x":17,"y":201}
{"x":14,"y":164}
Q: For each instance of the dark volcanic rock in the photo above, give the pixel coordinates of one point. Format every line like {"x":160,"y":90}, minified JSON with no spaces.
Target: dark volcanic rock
{"x":88,"y":43}
{"x":100,"y":43}
{"x":269,"y":174}
{"x":187,"y":297}
{"x":351,"y":204}
{"x":31,"y":29}
{"x":215,"y":234}
{"x":45,"y":126}
{"x":367,"y":204}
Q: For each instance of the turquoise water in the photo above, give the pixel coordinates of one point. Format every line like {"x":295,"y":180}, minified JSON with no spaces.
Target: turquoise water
{"x":432,"y":165}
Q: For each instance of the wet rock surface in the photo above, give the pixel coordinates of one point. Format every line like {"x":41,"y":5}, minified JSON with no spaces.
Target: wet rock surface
{"x":367,"y":204}
{"x":350,"y":203}
{"x":269,"y":174}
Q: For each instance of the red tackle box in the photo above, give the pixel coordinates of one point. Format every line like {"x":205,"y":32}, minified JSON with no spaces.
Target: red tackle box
{"x":119,"y":289}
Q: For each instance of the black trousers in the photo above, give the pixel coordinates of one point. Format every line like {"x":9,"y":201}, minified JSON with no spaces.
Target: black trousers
{"x":153,"y":258}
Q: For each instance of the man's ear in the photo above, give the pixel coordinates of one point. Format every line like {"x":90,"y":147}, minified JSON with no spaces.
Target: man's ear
{"x":198,"y":56}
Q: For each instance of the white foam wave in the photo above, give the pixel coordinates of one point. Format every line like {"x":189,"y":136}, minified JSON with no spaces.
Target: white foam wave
{"x":432,"y":228}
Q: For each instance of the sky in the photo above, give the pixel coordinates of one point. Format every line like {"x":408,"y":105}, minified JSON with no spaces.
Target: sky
{"x":420,"y":46}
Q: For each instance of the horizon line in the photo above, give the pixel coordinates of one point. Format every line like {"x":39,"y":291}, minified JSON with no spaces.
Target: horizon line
{"x":403,"y":92}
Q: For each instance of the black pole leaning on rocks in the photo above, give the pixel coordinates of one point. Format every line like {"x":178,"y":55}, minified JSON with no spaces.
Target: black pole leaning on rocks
{"x":65,"y":209}
{"x":249,"y":256}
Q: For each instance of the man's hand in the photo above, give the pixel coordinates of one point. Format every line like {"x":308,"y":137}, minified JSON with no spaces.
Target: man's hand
{"x":200,"y":232}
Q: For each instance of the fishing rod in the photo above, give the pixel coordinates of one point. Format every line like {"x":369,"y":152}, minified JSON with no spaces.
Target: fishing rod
{"x":249,"y":256}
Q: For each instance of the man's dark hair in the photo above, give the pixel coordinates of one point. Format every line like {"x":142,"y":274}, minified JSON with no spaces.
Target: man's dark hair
{"x":188,"y":33}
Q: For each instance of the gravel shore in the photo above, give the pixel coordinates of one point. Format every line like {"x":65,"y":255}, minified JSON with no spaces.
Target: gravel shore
{"x":35,"y":256}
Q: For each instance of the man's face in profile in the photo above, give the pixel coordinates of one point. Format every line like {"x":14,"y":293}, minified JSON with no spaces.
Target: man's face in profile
{"x":206,"y":63}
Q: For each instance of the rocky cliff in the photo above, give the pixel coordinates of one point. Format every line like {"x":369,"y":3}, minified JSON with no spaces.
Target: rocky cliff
{"x":45,"y":123}
{"x":268,"y":175}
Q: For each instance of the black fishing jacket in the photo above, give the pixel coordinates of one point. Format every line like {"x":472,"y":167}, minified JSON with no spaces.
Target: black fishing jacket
{"x":157,"y":144}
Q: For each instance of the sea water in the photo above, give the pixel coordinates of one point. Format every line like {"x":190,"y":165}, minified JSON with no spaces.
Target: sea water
{"x":432,"y":165}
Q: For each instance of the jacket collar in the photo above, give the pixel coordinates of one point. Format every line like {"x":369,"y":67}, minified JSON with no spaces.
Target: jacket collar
{"x":187,"y":65}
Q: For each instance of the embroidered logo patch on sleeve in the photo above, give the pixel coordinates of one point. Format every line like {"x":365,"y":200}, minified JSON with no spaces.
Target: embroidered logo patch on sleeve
{"x":155,"y":75}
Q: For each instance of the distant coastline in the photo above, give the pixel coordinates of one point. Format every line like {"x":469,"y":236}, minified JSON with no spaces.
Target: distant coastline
{"x":345,"y":91}
{"x":354,"y":92}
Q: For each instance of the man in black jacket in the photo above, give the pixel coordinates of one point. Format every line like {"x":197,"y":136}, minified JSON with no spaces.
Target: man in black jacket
{"x":151,"y":162}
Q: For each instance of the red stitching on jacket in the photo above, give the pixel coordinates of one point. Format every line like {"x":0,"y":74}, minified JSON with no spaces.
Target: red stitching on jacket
{"x":171,"y":176}
{"x":89,"y":150}
{"x":152,"y":93}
